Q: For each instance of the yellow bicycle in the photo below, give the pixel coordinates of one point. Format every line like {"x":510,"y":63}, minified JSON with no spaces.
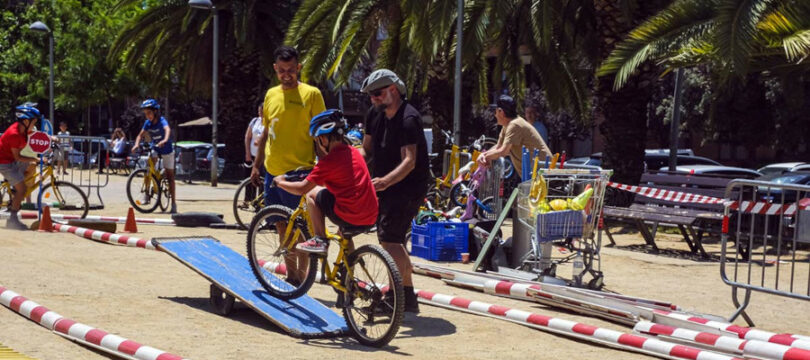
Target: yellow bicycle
{"x":147,"y":188}
{"x":60,"y":195}
{"x":367,"y":280}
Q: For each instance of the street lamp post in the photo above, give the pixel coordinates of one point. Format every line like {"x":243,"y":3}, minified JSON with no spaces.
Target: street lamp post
{"x":40,"y":27}
{"x":457,"y":84}
{"x":208,"y":5}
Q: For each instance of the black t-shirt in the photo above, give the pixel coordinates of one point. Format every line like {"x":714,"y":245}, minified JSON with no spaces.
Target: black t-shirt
{"x":388,"y":137}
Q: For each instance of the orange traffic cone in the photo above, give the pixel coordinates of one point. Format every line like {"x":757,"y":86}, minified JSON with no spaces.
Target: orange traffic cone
{"x":130,"y":226}
{"x":45,"y":223}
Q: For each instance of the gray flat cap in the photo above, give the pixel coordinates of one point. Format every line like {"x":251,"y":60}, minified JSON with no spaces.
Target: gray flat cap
{"x":380,"y":79}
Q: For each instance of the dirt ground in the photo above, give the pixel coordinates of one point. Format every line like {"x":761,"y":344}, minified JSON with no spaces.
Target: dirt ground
{"x":149,"y":297}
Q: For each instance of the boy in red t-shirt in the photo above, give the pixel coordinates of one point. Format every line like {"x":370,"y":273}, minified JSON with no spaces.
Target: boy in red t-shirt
{"x":339,"y":187}
{"x":13,"y":166}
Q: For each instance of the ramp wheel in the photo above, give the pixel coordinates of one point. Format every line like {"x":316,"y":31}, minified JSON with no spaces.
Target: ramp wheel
{"x":221,"y":301}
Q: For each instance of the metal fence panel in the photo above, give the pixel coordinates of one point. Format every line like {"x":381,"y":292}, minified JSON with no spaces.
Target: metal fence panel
{"x":85,"y":157}
{"x":765,"y":241}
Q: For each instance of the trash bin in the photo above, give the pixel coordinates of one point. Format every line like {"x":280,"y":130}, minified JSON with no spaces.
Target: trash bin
{"x":188,"y":162}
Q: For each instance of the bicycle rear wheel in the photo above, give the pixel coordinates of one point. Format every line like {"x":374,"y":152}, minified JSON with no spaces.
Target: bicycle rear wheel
{"x":143,"y":195}
{"x":268,"y":254}
{"x":375,"y":302}
{"x":65,"y":197}
{"x":244,"y":209}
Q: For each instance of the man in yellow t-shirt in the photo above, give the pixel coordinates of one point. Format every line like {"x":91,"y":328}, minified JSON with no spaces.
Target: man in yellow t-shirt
{"x":285,"y":146}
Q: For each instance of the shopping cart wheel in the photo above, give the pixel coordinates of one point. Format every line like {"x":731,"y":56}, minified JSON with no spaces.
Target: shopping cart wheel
{"x":597,"y":282}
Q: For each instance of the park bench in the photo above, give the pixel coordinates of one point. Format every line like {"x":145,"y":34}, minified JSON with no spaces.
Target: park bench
{"x":693,"y":220}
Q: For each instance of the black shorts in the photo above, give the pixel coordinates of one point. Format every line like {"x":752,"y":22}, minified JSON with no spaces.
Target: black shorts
{"x":326,"y":201}
{"x":394,"y":219}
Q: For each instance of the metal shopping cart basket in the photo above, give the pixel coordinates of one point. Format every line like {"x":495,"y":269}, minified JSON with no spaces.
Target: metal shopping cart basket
{"x":572,"y":233}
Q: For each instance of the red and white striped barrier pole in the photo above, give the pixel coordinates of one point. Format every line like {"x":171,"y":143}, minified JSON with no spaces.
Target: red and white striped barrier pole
{"x":473,"y":278}
{"x":568,"y":328}
{"x":81,"y":333}
{"x":747,"y":348}
{"x":104,"y":236}
{"x":796,"y":341}
{"x":120,"y":220}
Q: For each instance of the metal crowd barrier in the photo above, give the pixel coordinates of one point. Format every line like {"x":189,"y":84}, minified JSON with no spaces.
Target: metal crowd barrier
{"x":86,"y":158}
{"x":769,"y":227}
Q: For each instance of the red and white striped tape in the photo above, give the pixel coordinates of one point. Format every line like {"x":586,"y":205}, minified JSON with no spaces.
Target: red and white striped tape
{"x":668,"y":195}
{"x":84,"y":334}
{"x":796,"y":341}
{"x":107,"y":237}
{"x":120,"y":220}
{"x":536,"y":293}
{"x":748,"y":348}
{"x":753,"y":207}
{"x":590,"y":333}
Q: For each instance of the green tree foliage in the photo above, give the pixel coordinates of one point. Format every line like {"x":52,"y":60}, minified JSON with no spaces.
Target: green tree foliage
{"x":750,"y":59}
{"x":83,"y":32}
{"x":420,"y":38}
{"x":172,"y":43}
{"x":736,"y":37}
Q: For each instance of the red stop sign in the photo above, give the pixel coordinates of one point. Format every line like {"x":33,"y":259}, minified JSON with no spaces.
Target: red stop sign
{"x":40,"y":142}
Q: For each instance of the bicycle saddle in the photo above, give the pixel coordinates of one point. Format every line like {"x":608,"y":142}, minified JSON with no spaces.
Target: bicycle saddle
{"x":351,"y":231}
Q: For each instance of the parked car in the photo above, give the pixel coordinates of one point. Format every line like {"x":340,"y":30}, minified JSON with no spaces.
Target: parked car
{"x":721,"y":170}
{"x":781,"y":168}
{"x":203,"y":154}
{"x":790,"y":178}
{"x":653,"y":159}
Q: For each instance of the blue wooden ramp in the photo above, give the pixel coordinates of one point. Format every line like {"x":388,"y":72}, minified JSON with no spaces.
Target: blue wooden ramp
{"x":304,"y":317}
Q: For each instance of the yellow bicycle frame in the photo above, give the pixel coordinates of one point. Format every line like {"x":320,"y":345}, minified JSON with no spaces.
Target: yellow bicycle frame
{"x":152,"y":170}
{"x":34,"y":180}
{"x":290,"y":242}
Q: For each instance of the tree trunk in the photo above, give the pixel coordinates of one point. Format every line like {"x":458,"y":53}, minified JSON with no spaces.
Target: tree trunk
{"x":624,"y":111}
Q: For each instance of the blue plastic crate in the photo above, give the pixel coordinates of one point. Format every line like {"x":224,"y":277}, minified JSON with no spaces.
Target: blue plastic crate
{"x":439,"y":241}
{"x":559,"y":225}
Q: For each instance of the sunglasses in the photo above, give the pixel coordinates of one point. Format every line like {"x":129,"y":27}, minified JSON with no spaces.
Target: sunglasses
{"x":377,"y":93}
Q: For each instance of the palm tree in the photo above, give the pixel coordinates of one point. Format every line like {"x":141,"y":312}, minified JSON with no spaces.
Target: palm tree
{"x":735,"y":37}
{"x":169,"y":42}
{"x":336,"y":35}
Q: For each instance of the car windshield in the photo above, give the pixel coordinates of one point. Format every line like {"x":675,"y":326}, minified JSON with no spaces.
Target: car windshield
{"x":771,"y":170}
{"x":792,"y":179}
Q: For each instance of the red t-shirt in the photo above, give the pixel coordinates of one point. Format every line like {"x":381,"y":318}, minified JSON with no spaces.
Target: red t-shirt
{"x":344,"y":173}
{"x":11,"y":139}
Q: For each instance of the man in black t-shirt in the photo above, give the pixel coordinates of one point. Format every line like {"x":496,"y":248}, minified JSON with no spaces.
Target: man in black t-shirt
{"x":395,"y":141}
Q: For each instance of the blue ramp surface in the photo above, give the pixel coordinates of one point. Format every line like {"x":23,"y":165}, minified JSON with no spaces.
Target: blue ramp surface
{"x":304,"y":317}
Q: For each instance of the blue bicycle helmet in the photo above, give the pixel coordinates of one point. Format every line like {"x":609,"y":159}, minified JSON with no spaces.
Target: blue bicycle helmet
{"x":27,"y":112}
{"x":150,"y":104}
{"x":327,"y":122}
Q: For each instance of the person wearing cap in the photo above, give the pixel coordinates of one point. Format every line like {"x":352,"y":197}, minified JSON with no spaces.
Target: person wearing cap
{"x":14,"y":166}
{"x":516,"y":133}
{"x":285,"y":147}
{"x":395,"y":142}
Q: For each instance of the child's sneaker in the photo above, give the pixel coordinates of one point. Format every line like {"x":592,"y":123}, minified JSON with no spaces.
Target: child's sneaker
{"x":316,"y":245}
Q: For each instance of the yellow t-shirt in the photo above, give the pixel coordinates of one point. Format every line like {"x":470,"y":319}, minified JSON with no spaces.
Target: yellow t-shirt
{"x":286,"y":117}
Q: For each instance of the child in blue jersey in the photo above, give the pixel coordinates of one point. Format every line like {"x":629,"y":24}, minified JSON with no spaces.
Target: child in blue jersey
{"x":160,"y":133}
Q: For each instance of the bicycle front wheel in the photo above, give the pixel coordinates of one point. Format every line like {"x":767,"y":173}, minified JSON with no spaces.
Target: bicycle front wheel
{"x":142,"y":191}
{"x":244,"y":207}
{"x":165,"y":198}
{"x":268,"y":253}
{"x":459,"y":192}
{"x":375,"y":303}
{"x":65,"y":197}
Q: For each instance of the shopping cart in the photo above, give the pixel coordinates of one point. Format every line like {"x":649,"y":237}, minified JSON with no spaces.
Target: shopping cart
{"x":571,"y":232}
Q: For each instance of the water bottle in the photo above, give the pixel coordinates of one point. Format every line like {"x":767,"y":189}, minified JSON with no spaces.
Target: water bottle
{"x":577,"y":268}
